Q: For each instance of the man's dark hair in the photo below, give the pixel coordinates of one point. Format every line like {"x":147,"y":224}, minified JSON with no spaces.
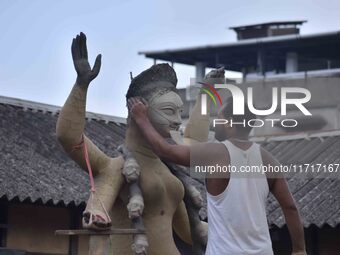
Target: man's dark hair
{"x":227,"y":112}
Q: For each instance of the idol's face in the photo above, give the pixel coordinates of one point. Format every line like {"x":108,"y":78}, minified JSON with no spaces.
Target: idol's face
{"x":164,"y":112}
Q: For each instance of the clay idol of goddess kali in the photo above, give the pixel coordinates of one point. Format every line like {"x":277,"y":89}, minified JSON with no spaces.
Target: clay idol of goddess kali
{"x":162,"y":192}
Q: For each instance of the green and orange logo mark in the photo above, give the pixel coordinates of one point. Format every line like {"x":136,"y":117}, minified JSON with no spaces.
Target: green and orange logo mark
{"x":211,"y":92}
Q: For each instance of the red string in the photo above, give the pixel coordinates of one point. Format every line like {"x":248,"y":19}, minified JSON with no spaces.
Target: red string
{"x":83,"y":145}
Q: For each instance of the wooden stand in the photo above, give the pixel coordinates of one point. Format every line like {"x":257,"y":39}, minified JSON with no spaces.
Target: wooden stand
{"x":114,"y":231}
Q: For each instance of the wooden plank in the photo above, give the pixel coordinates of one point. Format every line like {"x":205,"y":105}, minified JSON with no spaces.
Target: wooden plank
{"x":115,"y":231}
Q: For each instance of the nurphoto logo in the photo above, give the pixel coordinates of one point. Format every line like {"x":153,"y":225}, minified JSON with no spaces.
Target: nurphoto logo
{"x":239,"y":103}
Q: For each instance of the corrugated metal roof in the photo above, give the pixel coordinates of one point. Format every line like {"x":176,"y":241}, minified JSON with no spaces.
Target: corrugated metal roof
{"x":34,"y":167}
{"x":317,"y":198}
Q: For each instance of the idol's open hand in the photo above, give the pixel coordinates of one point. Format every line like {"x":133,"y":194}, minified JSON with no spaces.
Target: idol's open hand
{"x":215,"y":73}
{"x":138,"y":109}
{"x":215,"y":76}
{"x":81,"y":63}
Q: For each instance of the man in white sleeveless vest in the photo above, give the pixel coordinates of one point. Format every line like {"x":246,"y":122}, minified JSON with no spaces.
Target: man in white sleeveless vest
{"x":236,"y":200}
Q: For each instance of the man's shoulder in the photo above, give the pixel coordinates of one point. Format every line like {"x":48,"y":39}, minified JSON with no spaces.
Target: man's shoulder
{"x":267,"y":157}
{"x":217,"y":151}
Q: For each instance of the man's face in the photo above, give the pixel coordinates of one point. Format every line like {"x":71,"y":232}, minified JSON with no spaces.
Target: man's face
{"x":223,"y":131}
{"x":164,"y":112}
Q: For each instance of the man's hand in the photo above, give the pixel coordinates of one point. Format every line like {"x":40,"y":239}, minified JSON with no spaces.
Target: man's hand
{"x":138,"y":109}
{"x":81,"y":63}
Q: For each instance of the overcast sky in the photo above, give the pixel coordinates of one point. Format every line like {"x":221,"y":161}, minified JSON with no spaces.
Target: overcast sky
{"x":35,"y":39}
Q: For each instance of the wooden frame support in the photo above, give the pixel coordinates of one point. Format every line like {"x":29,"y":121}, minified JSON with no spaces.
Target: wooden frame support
{"x":114,"y":231}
